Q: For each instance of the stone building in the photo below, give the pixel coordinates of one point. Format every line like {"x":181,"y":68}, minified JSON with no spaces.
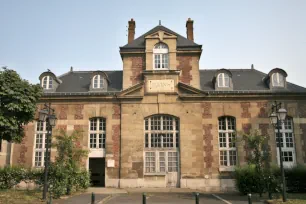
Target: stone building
{"x":163,"y":121}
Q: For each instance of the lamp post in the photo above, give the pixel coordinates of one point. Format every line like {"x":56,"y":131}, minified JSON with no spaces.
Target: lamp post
{"x":45,"y":115}
{"x":278,"y":117}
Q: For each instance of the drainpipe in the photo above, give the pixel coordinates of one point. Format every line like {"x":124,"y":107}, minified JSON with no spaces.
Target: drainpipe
{"x":119,"y":171}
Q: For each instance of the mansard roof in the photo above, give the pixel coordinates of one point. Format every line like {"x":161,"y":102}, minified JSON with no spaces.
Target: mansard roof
{"x":244,"y":80}
{"x":139,"y":43}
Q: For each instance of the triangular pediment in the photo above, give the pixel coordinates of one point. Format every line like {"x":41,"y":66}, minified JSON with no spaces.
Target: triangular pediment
{"x":133,"y":91}
{"x":160,"y":34}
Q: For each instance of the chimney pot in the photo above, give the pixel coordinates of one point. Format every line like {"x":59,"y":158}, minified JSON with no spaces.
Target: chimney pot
{"x":189,"y":29}
{"x":131,"y":30}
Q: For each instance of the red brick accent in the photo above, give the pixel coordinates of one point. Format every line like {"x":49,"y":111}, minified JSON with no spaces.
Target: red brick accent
{"x":185,"y":66}
{"x":78,"y":112}
{"x":246,"y":127}
{"x":206,"y":110}
{"x":263,"y":111}
{"x":245,"y":109}
{"x":208,"y":147}
{"x":78,"y":127}
{"x":116,"y":143}
{"x":302,"y":110}
{"x":116,"y":111}
{"x":303,"y":137}
{"x":63,"y":112}
{"x":62,"y":127}
{"x":137,"y":67}
{"x":264,"y":129}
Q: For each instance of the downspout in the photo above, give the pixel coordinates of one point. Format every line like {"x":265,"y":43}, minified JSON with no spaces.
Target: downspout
{"x":119,"y":170}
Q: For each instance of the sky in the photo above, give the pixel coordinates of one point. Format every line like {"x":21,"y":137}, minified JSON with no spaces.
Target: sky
{"x":37,"y":35}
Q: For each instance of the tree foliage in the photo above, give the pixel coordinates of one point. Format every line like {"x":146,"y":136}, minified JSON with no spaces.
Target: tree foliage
{"x":18,"y":100}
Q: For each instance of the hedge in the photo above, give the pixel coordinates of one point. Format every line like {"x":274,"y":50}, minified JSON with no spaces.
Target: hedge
{"x":247,"y":180}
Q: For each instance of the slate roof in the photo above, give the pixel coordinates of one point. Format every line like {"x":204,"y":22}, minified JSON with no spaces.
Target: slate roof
{"x":79,"y":81}
{"x":248,"y":80}
{"x":244,"y":80}
{"x":139,"y":43}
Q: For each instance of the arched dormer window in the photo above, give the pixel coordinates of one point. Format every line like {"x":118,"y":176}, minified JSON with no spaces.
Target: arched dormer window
{"x":161,"y":56}
{"x":223,"y":80}
{"x":47,"y":82}
{"x":98,"y":82}
{"x":278,"y":79}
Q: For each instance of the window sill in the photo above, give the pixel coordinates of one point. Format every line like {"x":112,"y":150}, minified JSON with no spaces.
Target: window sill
{"x":155,"y":174}
{"x":227,"y":169}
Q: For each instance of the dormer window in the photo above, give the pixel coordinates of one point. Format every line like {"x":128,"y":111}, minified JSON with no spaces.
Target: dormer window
{"x":47,"y":82}
{"x":223,"y":80}
{"x":161,"y":56}
{"x":97,"y":82}
{"x":278,"y":79}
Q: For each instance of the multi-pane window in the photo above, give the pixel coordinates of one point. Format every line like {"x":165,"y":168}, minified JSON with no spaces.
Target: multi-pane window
{"x":286,"y":138}
{"x":223,"y":80}
{"x":161,"y":56}
{"x":98,"y":82}
{"x":97,"y":131}
{"x":227,"y":141}
{"x":278,"y":79}
{"x":47,"y":82}
{"x":40,"y":144}
{"x":161,"y":144}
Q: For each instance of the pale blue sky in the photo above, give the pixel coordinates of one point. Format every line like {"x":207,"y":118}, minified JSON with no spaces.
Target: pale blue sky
{"x":37,"y":35}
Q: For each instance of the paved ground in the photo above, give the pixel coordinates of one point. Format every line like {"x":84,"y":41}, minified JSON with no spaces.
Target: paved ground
{"x":172,"y":196}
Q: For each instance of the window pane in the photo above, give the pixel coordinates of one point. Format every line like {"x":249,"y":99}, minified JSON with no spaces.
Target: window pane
{"x":220,"y":80}
{"x":222,"y":139}
{"x":101,"y":140}
{"x":288,"y":124}
{"x":279,"y":136}
{"x":168,"y":140}
{"x":146,"y":124}
{"x":102,"y":124}
{"x":157,"y":61}
{"x":46,"y":141}
{"x":289,"y":139}
{"x":231,"y":140}
{"x":39,"y":141}
{"x":165,"y":60}
{"x":101,"y":82}
{"x":50,"y":82}
{"x":167,"y":123}
{"x":222,"y":124}
{"x":95,"y":85}
{"x":231,"y":123}
{"x":93,"y":141}
{"x":146,"y":140}
{"x":150,"y":162}
{"x":155,"y":123}
{"x":172,"y":162}
{"x":232,"y":157}
{"x":226,"y":80}
{"x":162,"y":162}
{"x":40,"y":126}
{"x":287,"y":156}
{"x":155,"y":140}
{"x":45,"y":81}
{"x":223,"y":158}
{"x":38,"y":158}
{"x":93,"y":124}
{"x":177,"y":139}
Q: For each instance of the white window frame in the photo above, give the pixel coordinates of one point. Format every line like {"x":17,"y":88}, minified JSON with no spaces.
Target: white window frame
{"x":157,"y":150}
{"x":41,"y":149}
{"x":280,"y":79}
{"x":163,"y":54}
{"x":100,"y":82}
{"x":97,"y":132}
{"x":227,"y":149}
{"x":221,"y":82}
{"x":47,"y":82}
{"x":283,"y":132}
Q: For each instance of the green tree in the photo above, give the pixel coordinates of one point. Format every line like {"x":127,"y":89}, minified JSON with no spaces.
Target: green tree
{"x":258,"y":155}
{"x":67,"y":172}
{"x":18,"y":100}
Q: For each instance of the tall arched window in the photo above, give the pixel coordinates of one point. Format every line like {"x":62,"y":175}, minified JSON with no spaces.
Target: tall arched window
{"x":47,"y":82}
{"x":223,"y":80}
{"x":97,"y":133}
{"x":97,"y":82}
{"x":161,"y":144}
{"x":227,"y":141}
{"x":161,"y":56}
{"x":278,"y":79}
{"x":287,"y":142}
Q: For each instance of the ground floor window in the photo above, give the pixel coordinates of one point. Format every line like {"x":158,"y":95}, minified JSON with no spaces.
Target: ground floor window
{"x":40,"y":144}
{"x":161,"y":161}
{"x":97,"y":133}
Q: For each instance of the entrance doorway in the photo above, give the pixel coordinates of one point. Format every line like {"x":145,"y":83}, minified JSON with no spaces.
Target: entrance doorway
{"x":97,"y":169}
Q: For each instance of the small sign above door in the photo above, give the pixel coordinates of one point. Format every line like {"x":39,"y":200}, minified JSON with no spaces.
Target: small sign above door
{"x":166,"y":85}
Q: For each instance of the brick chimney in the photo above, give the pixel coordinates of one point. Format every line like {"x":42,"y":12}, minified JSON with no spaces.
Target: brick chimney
{"x":131,"y":34}
{"x":189,"y":27}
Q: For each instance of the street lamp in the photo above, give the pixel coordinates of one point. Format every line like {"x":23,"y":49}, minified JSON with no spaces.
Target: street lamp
{"x":278,"y":117}
{"x":45,"y":115}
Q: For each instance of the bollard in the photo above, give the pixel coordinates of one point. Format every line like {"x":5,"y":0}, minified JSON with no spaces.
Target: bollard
{"x":92,"y":198}
{"x":250,"y":198}
{"x":144,"y":198}
{"x":197,"y":200}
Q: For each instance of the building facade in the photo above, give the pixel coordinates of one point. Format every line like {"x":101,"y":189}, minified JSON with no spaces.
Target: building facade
{"x":164,"y":122}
